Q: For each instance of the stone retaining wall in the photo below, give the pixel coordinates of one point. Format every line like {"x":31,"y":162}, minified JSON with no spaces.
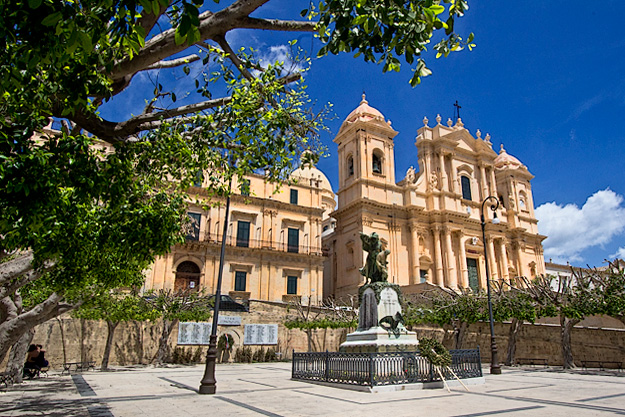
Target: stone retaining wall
{"x":136,"y":342}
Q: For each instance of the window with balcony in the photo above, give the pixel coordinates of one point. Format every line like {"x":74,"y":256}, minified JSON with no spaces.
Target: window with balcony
{"x":243,"y":234}
{"x":293,"y":240}
{"x":193,"y":231}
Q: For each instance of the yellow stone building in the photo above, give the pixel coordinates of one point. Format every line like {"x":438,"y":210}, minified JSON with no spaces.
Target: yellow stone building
{"x":273,"y":244}
{"x":430,"y":220}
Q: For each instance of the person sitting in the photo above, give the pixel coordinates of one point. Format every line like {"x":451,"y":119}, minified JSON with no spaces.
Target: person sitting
{"x":31,"y":368}
{"x":40,"y":360}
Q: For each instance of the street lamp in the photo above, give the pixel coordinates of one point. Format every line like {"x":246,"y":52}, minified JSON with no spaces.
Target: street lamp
{"x":208,"y":385}
{"x":495,"y":368}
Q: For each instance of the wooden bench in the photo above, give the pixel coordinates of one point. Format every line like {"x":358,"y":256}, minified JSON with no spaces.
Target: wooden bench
{"x":77,"y":366}
{"x":602,"y":365}
{"x":532,"y":361}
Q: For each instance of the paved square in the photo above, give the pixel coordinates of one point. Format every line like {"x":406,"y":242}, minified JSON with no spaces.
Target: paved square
{"x":267,"y":390}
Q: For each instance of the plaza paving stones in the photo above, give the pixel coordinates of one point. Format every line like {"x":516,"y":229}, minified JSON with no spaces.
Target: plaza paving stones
{"x":267,"y":390}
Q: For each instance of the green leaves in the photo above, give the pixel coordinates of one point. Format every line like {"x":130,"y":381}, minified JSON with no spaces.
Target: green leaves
{"x":383,"y":31}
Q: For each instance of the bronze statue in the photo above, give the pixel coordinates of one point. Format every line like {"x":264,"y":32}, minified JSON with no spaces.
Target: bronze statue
{"x":374,"y":269}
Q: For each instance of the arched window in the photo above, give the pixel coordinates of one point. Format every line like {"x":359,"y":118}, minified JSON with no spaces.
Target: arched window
{"x":523,"y":201}
{"x":376,"y":163}
{"x":466,"y":187}
{"x":187,"y":277}
{"x":350,"y":166}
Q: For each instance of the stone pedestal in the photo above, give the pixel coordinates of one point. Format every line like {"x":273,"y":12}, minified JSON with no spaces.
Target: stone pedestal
{"x":380,"y":323}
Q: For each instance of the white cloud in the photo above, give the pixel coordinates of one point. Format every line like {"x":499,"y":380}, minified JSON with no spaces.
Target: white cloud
{"x":282,"y":53}
{"x":620,"y":254}
{"x":571,"y":229}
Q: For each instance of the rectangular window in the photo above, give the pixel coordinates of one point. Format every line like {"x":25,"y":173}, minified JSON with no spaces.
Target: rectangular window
{"x":423,"y":275}
{"x":466,"y":187}
{"x":293,"y":196}
{"x":194,"y":226}
{"x":293,"y":240}
{"x":243,"y":234}
{"x":199,"y":179}
{"x":291,"y":284}
{"x":245,"y":187}
{"x":473,"y":277}
{"x":240,"y":278}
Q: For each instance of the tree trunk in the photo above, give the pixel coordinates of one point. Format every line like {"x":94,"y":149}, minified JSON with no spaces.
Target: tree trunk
{"x":163,"y":344}
{"x":515,"y":327}
{"x":14,"y":327}
{"x":112,"y":325}
{"x":460,"y":333}
{"x":18,"y":355}
{"x":309,"y":337}
{"x":566,"y":327}
{"x":62,"y":339}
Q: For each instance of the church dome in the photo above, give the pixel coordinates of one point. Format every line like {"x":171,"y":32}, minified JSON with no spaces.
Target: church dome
{"x":365,"y":112}
{"x":308,"y":174}
{"x":505,"y":160}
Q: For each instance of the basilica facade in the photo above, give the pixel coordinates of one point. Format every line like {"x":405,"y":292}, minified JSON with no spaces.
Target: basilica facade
{"x":295,"y":243}
{"x":430,"y":220}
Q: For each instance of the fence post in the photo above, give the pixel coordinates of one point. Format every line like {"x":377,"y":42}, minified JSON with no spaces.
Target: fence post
{"x":327,"y":365}
{"x":371,"y":369}
{"x":293,"y":363}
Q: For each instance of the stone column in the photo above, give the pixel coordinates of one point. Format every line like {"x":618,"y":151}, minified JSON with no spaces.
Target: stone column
{"x":504,"y":261}
{"x":415,"y":265}
{"x":492,"y":259}
{"x":483,"y":183}
{"x":452,"y":278}
{"x":438,"y":257}
{"x":464,"y":276}
{"x":455,"y":187}
{"x":441,"y":163}
{"x":493,"y":183}
{"x":519,"y":263}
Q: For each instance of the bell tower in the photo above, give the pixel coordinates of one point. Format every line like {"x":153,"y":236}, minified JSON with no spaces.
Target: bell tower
{"x":366,"y":155}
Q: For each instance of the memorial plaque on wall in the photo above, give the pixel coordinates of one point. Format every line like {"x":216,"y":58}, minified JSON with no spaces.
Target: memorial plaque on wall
{"x":261,"y":334}
{"x":229,"y":320}
{"x":192,"y":333}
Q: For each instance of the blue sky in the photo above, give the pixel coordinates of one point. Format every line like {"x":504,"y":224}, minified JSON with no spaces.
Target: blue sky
{"x":546,"y":79}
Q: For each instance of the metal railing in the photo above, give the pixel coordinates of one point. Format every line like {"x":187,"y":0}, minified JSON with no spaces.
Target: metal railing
{"x":374,"y":369}
{"x":213,"y":238}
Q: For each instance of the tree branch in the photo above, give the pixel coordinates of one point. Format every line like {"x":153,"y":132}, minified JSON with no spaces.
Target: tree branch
{"x":172,"y":63}
{"x":16,"y":267}
{"x":221,"y":40}
{"x":276,"y":24}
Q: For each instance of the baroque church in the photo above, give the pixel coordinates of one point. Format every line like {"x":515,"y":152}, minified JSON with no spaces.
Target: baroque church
{"x":430,"y":220}
{"x":296,"y":243}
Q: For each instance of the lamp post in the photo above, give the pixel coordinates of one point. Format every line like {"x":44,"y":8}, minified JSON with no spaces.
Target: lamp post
{"x":495,"y":368}
{"x":208,"y":385}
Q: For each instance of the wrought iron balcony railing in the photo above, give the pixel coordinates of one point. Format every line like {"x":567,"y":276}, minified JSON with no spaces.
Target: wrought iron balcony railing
{"x":213,"y":238}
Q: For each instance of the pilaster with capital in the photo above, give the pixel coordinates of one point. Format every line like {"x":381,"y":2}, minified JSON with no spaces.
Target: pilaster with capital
{"x":504,"y":261}
{"x":438,"y":256}
{"x":464,"y":274}
{"x":414,"y":259}
{"x":452,"y":278}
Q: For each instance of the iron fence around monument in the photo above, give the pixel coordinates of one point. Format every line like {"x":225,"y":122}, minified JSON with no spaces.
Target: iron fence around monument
{"x":375,"y":369}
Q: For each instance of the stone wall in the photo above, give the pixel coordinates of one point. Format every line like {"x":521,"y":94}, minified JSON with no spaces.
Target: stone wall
{"x":538,"y":341}
{"x":136,"y":342}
